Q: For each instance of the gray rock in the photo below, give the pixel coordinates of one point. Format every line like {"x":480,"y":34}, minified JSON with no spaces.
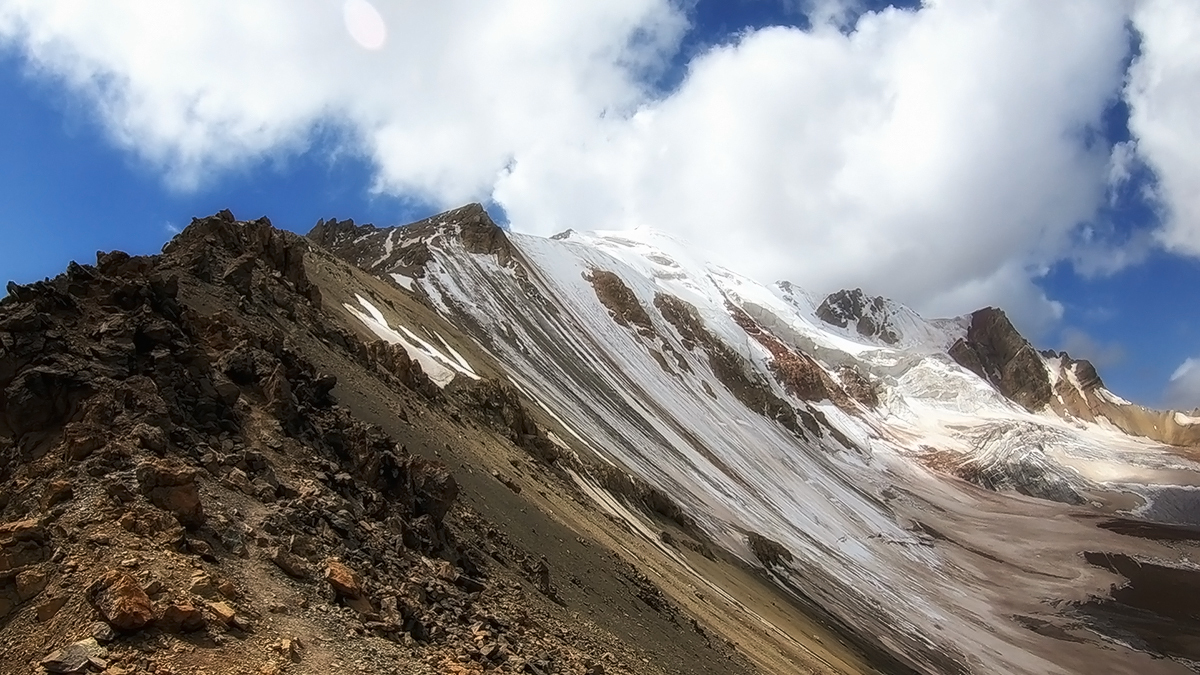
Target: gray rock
{"x":75,"y":658}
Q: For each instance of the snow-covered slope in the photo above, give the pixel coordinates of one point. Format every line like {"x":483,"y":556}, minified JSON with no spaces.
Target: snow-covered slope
{"x":828,"y":427}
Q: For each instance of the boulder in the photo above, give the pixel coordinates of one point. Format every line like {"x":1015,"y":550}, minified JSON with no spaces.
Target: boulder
{"x":121,"y":601}
{"x":172,"y":488}
{"x":77,"y":658}
{"x":343,"y":580}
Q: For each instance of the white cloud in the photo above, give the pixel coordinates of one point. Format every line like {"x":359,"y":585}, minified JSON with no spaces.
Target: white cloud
{"x":931,"y":154}
{"x":1183,"y":391}
{"x":442,"y":100}
{"x":1164,"y":99}
{"x":938,"y":156}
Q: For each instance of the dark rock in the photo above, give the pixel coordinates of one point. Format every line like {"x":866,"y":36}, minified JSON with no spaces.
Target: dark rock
{"x":292,"y":565}
{"x":76,"y":658}
{"x":869,"y":315}
{"x":102,"y":632}
{"x":996,"y":352}
{"x":769,"y":551}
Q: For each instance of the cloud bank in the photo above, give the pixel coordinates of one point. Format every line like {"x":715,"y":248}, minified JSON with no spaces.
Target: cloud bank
{"x":945,"y":156}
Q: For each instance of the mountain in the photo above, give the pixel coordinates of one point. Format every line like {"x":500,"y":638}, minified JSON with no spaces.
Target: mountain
{"x":444,"y":447}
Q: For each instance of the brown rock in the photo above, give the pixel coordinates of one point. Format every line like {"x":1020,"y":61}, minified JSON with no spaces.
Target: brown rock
{"x":30,"y":583}
{"x":23,"y":530}
{"x":996,"y":352}
{"x":292,"y":564}
{"x":57,"y":491}
{"x":224,"y":612}
{"x":181,"y":618}
{"x":203,"y":586}
{"x":172,"y":488}
{"x":121,"y":601}
{"x":50,"y":607}
{"x":343,"y":580}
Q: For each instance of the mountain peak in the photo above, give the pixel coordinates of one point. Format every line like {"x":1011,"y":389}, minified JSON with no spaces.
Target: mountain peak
{"x":869,"y":315}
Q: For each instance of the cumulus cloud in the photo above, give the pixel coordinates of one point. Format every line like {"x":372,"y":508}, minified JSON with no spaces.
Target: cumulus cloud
{"x":1164,"y":96}
{"x":929,"y":155}
{"x":1183,"y":391}
{"x":943,"y":156}
{"x":440,"y":95}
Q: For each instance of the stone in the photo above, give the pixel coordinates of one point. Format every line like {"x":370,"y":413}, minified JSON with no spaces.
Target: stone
{"x":50,"y":607}
{"x":237,"y":480}
{"x":203,"y":586}
{"x":102,"y":632}
{"x":290,"y":649}
{"x":151,"y":438}
{"x":172,"y":488}
{"x":30,"y":583}
{"x":343,"y":580}
{"x":224,"y":612}
{"x":76,"y":658}
{"x":121,"y":601}
{"x":57,"y":492}
{"x":181,"y":618}
{"x":23,"y":530}
{"x":292,"y":564}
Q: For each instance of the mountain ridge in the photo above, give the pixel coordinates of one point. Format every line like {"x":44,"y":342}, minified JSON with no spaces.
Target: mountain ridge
{"x":372,"y":436}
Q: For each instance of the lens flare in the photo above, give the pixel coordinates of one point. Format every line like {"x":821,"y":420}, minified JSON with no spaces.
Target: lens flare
{"x":365,"y":24}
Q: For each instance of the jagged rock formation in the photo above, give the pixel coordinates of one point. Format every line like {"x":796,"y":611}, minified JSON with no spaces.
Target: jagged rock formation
{"x":996,"y":352}
{"x":866,"y":313}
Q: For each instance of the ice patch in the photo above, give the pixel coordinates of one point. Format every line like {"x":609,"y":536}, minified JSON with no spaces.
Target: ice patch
{"x":440,"y":368}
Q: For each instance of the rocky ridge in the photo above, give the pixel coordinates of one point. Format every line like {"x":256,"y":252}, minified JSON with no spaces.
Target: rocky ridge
{"x":186,"y":494}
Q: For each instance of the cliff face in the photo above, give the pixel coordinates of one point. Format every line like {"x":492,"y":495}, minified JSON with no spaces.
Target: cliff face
{"x":996,"y":352}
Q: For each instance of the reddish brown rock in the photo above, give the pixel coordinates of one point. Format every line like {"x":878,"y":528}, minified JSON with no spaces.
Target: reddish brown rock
{"x":121,"y":601}
{"x":181,"y":618}
{"x":343,"y":580}
{"x":30,"y":583}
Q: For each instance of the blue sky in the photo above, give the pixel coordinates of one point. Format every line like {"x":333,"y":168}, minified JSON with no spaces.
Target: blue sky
{"x":76,"y":178}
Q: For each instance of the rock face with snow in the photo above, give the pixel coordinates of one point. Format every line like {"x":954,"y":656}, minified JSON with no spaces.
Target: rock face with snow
{"x":869,"y":315}
{"x":825,"y":442}
{"x":996,"y":352}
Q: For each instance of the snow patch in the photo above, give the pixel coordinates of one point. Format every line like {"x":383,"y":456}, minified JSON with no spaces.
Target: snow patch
{"x":440,"y":368}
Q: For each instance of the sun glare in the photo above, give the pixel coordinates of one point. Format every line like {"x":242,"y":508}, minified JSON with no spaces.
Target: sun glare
{"x":365,"y":24}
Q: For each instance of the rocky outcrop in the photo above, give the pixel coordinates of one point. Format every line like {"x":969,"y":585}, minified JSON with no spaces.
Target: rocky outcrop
{"x":996,"y":352}
{"x":868,"y":315}
{"x":621,"y":302}
{"x":727,"y":365}
{"x":799,"y":374}
{"x":406,"y":248}
{"x":172,"y":488}
{"x":770,"y":552}
{"x":499,"y":405}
